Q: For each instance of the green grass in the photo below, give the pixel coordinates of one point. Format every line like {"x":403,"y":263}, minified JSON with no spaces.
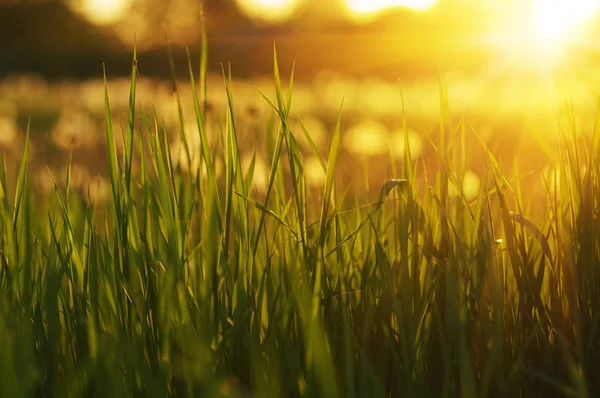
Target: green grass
{"x":187,"y":285}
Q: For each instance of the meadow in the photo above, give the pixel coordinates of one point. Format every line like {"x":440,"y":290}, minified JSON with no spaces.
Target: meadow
{"x":238,"y":251}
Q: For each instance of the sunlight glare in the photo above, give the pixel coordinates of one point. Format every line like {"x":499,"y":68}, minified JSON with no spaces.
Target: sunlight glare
{"x":556,"y":19}
{"x":269,"y":10}
{"x":103,"y":12}
{"x":374,"y":6}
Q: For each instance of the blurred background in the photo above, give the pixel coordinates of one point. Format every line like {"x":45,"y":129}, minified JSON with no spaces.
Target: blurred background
{"x":510,"y":67}
{"x":390,"y":38}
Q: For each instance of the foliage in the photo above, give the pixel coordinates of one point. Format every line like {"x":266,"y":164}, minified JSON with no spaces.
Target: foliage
{"x":193,"y":285}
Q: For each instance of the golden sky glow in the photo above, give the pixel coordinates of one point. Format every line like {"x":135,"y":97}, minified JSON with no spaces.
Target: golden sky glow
{"x":373,"y":6}
{"x":555,"y":19}
{"x":269,"y":10}
{"x":104,"y":11}
{"x":540,"y":34}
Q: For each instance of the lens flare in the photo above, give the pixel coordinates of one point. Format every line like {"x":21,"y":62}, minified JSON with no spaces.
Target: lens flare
{"x":269,"y":10}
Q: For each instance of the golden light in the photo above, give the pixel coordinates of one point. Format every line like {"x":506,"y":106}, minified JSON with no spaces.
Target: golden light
{"x":362,"y":7}
{"x":104,"y":12}
{"x":540,"y":36}
{"x":556,"y":20}
{"x":269,"y":10}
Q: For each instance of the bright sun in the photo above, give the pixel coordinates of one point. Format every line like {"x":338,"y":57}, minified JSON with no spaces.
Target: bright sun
{"x":555,"y":20}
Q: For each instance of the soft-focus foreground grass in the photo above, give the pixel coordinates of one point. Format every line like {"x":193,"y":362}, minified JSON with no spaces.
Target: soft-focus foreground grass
{"x":192,"y":285}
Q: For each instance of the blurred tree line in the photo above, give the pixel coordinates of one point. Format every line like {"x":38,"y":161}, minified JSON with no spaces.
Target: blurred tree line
{"x":52,"y":38}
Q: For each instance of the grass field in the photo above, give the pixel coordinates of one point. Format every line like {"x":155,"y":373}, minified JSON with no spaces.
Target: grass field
{"x":196,"y":284}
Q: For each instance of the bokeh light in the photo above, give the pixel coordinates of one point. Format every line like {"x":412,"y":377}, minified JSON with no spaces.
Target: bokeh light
{"x":195,"y":163}
{"x":8,"y":131}
{"x":260,"y":176}
{"x":471,"y":184}
{"x":75,"y":129}
{"x":104,"y":12}
{"x":269,"y":10}
{"x":367,"y":138}
{"x":398,"y":143}
{"x":315,"y":128}
{"x":315,"y":174}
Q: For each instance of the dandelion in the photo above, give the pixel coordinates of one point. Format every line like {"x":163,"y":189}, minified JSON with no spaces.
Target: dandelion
{"x":260,"y":177}
{"x":470,"y":186}
{"x":398,"y":143}
{"x":304,"y":101}
{"x":92,"y":96}
{"x":368,"y":138}
{"x":26,"y":87}
{"x":80,"y":176}
{"x":43,"y":182}
{"x":8,"y":132}
{"x":75,"y":129}
{"x":8,"y":108}
{"x":380,"y":97}
{"x":315,"y":128}
{"x":329,"y":90}
{"x":315,"y":174}
{"x":99,"y":189}
{"x":194,"y":148}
